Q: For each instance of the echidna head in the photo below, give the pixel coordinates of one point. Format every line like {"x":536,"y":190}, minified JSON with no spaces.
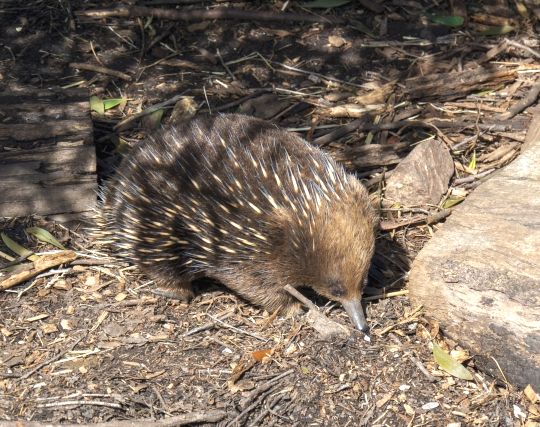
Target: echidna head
{"x":332,"y":251}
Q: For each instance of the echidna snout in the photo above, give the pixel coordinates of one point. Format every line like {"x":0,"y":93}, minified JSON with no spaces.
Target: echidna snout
{"x":239,"y":200}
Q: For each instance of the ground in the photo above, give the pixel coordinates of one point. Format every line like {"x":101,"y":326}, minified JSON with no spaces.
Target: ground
{"x":89,"y":343}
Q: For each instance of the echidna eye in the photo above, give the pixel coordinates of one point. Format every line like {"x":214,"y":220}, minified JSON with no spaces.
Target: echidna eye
{"x":336,"y":289}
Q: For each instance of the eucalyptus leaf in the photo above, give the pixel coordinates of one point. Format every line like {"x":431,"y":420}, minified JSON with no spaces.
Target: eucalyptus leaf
{"x":449,"y":364}
{"x":113,"y":102}
{"x":452,"y":201}
{"x":472,"y":163}
{"x":324,"y":4}
{"x":448,"y":20}
{"x":96,"y":104}
{"x":497,"y":31}
{"x":18,"y":249}
{"x":44,"y":236}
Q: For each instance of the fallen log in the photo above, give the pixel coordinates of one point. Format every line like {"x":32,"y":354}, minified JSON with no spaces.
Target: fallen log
{"x":47,"y":155}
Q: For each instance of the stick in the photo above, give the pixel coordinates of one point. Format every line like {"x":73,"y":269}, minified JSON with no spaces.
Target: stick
{"x":203,"y":14}
{"x":525,"y":102}
{"x":101,"y":70}
{"x":430,"y":219}
{"x":52,"y":360}
{"x":178,"y":420}
{"x":127,"y":122}
{"x":300,"y":297}
{"x":44,"y":262}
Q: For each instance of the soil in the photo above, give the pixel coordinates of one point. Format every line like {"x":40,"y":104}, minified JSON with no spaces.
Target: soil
{"x":88,"y":342}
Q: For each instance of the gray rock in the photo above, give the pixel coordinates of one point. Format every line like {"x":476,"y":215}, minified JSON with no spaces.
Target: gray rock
{"x":479,"y":276}
{"x":422,"y":177}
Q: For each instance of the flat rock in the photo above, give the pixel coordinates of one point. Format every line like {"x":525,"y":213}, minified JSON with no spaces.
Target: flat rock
{"x":479,"y":276}
{"x":422,"y":177}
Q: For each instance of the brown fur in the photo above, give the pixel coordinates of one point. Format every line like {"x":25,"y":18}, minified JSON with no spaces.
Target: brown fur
{"x":203,"y":200}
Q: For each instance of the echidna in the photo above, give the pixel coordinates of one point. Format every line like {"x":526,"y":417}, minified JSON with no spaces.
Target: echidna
{"x":241,"y":201}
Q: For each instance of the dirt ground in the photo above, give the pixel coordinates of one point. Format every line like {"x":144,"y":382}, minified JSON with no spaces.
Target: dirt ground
{"x":87,"y":342}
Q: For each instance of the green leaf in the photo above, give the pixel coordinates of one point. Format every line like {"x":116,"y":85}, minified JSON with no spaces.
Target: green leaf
{"x":305,"y":370}
{"x":448,"y":20}
{"x":496,"y":31}
{"x":96,"y":104}
{"x":18,"y":249}
{"x":449,"y":364}
{"x":113,"y":102}
{"x":324,"y":4}
{"x":452,"y":201}
{"x":472,"y":163}
{"x":44,"y":236}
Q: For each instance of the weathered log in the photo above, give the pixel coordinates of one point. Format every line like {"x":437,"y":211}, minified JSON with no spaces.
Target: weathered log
{"x":479,"y":276}
{"x":47,"y":156}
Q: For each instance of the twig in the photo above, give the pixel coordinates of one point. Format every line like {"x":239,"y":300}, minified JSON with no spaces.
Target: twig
{"x":422,"y":368}
{"x":93,"y":261}
{"x":178,"y":420}
{"x":17,"y":260}
{"x":326,"y":327}
{"x":525,"y":102}
{"x":229,"y":72}
{"x":267,"y":410}
{"x":234,"y":328}
{"x":300,"y":297}
{"x":386,"y":295}
{"x":128,"y":121}
{"x":340,"y":132}
{"x":473,"y":178}
{"x":206,"y":326}
{"x":79,"y":403}
{"x":430,"y":219}
{"x":522,"y":46}
{"x":43,"y":263}
{"x":101,"y":70}
{"x":236,"y":420}
{"x":52,"y":360}
{"x":263,"y":388}
{"x":204,"y":14}
{"x":241,"y":100}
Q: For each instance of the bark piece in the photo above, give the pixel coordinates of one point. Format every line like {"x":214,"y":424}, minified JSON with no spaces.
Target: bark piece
{"x":479,"y":276}
{"x":422,"y":177}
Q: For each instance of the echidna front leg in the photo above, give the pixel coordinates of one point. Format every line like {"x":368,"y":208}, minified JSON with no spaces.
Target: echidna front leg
{"x":181,"y":290}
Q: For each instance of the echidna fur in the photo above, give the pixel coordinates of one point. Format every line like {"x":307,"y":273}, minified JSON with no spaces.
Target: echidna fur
{"x":239,"y":200}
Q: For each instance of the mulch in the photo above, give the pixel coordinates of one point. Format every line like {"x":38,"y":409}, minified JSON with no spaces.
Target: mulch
{"x":86,"y":342}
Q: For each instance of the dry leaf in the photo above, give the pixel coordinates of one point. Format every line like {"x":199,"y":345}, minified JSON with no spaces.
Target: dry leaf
{"x":336,"y":41}
{"x":531,"y":394}
{"x":259,"y":355}
{"x":49,"y":328}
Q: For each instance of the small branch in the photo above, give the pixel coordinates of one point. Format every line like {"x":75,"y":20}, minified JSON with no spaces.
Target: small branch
{"x":300,"y":297}
{"x":204,"y":14}
{"x":43,"y":263}
{"x":80,"y":403}
{"x":128,"y":121}
{"x":178,"y":420}
{"x":101,"y":70}
{"x":430,"y":219}
{"x":472,"y":178}
{"x":263,"y":387}
{"x":524,"y":103}
{"x":326,"y":327}
{"x":17,"y":260}
{"x":207,"y":326}
{"x":341,"y":131}
{"x":52,"y":360}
